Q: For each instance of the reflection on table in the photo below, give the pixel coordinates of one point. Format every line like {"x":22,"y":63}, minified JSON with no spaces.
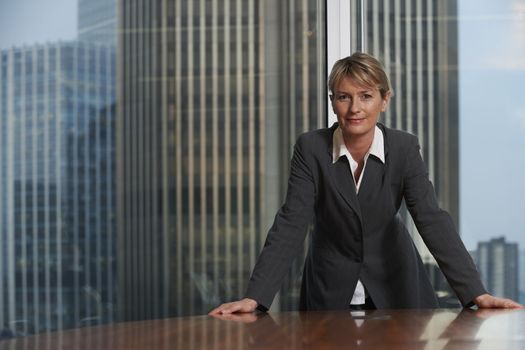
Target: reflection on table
{"x":379,"y":329}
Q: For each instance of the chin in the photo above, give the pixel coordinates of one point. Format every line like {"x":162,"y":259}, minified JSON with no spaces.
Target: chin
{"x":355,"y":130}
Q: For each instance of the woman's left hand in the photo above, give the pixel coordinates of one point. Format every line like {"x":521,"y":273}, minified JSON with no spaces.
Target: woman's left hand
{"x":487,"y":301}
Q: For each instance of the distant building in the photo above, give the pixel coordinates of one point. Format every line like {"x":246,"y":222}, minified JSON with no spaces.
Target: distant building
{"x":57,"y":178}
{"x":497,"y":263}
{"x":213,"y":96}
{"x":57,"y":108}
{"x":97,"y":21}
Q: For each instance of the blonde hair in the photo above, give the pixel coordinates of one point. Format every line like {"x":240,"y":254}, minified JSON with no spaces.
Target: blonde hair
{"x":364,"y":69}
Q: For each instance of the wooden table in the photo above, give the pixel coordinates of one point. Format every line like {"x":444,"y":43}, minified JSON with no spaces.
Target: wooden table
{"x":380,"y":329}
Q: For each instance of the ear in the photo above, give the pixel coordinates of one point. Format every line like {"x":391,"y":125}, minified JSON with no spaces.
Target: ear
{"x":385,"y":101}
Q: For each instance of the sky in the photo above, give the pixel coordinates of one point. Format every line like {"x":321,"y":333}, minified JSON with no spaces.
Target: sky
{"x":27,"y":22}
{"x":492,"y":120}
{"x":492,"y":106}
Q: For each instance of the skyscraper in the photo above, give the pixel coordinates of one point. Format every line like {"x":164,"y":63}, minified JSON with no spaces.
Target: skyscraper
{"x":97,"y":21}
{"x":498,"y":264}
{"x":57,"y":223}
{"x":213,"y":95}
{"x":57,"y":204}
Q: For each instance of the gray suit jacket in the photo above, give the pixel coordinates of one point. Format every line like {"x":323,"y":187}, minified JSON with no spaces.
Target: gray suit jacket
{"x":361,"y":236}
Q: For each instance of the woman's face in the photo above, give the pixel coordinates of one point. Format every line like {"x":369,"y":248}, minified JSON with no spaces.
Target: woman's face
{"x":357,"y":107}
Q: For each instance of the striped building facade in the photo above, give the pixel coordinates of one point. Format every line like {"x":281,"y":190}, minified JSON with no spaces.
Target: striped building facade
{"x":57,"y":108}
{"x":498,"y":264}
{"x":213,"y":94}
{"x":97,"y":21}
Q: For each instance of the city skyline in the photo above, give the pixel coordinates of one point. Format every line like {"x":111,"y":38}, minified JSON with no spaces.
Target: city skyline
{"x":478,"y":62}
{"x":57,"y":202}
{"x":489,"y":193}
{"x":57,"y":183}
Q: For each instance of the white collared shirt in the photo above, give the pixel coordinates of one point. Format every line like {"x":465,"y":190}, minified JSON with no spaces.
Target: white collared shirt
{"x":377,"y":148}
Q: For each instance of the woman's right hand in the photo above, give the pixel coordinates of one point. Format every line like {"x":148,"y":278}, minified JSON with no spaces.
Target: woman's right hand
{"x":243,"y":305}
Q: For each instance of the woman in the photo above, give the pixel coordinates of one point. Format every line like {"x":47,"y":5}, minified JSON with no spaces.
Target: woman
{"x":351,"y":178}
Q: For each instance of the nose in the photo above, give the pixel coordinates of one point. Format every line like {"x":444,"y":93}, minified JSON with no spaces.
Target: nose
{"x":355,"y":106}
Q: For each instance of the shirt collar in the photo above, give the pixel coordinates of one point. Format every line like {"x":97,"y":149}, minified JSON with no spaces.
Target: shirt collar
{"x":339,"y":149}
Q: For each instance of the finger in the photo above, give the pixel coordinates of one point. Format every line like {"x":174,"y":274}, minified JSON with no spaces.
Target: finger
{"x":506,"y":303}
{"x":218,"y":310}
{"x":231,"y":308}
{"x":214,"y":311}
{"x":513,"y":305}
{"x":238,"y":306}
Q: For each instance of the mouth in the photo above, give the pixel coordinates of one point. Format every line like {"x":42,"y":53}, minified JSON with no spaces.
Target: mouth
{"x":355,"y":120}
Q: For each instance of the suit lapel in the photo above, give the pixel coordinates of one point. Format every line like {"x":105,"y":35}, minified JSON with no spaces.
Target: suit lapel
{"x":374,"y":174}
{"x":372,"y":182}
{"x":344,"y":183}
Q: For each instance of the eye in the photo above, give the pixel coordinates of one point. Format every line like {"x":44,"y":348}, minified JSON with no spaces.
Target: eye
{"x":342,"y":97}
{"x":366,"y":97}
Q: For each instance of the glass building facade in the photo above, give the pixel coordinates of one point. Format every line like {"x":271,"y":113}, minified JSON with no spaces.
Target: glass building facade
{"x":97,"y":21}
{"x":212,"y":96}
{"x":498,"y":262}
{"x":57,"y":109}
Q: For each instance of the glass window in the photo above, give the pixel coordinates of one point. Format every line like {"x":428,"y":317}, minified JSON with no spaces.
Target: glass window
{"x":440,"y":55}
{"x":155,"y":204}
{"x":490,"y":174}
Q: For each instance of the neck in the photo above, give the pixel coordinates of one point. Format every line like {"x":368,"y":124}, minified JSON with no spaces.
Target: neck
{"x":358,"y":145}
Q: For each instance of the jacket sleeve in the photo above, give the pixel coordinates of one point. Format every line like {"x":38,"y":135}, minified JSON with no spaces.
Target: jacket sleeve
{"x":287,"y":234}
{"x":437,"y":228}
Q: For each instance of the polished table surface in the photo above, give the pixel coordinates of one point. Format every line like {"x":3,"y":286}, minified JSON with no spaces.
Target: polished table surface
{"x":379,"y":329}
